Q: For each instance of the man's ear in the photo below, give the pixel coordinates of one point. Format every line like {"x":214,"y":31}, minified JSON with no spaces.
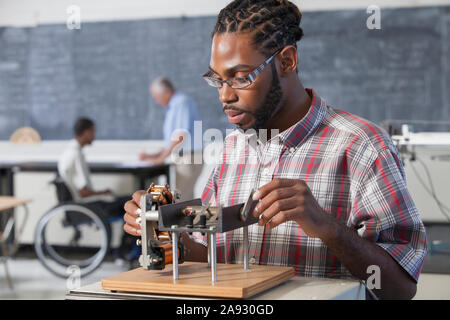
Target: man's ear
{"x":288,"y":61}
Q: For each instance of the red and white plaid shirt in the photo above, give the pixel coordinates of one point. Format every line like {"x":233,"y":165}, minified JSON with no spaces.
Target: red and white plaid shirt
{"x":352,"y":169}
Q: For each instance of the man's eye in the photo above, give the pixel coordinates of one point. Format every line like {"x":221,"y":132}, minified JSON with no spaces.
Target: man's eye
{"x":240,"y":80}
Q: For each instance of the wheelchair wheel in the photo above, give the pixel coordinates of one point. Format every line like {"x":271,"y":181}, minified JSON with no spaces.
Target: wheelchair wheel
{"x":84,"y":242}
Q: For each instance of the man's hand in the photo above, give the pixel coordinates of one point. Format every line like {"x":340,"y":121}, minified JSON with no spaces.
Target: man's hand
{"x":132,"y":213}
{"x":143,"y":156}
{"x":86,"y":192}
{"x":106,"y":191}
{"x":291,"y":200}
{"x":284,"y":200}
{"x":195,"y":251}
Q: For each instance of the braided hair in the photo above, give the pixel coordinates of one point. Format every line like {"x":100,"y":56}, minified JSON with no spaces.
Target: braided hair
{"x":275,"y":23}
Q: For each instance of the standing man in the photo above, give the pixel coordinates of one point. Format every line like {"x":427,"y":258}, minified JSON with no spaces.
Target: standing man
{"x":179,"y":139}
{"x":332,"y":192}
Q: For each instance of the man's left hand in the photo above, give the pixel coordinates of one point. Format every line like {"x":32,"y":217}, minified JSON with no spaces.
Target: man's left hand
{"x":284,"y":200}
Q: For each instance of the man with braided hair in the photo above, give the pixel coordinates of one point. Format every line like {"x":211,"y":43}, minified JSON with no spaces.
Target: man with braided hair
{"x":332,"y":194}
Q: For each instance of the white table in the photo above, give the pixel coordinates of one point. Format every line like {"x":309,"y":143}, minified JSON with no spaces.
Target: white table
{"x":297,"y":288}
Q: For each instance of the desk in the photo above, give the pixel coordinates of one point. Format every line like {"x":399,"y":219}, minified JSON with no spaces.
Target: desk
{"x":8,"y":203}
{"x":297,"y":288}
{"x":142,"y":171}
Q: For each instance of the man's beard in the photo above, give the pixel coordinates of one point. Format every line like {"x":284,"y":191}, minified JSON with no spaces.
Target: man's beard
{"x":271,"y":103}
{"x":269,"y":107}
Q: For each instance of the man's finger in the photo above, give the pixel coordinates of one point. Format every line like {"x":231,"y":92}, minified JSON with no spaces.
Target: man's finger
{"x":274,"y":195}
{"x":277,"y":207}
{"x":137,"y":196}
{"x":131,"y":230}
{"x":132,"y":209}
{"x":131,"y":221}
{"x":282,"y":217}
{"x":272,"y":185}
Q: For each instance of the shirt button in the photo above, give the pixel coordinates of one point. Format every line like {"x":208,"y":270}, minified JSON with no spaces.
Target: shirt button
{"x":266,"y":171}
{"x":252,"y":260}
{"x":292,"y":150}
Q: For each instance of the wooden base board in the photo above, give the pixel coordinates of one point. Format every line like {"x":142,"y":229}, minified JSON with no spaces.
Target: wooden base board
{"x":195,"y":280}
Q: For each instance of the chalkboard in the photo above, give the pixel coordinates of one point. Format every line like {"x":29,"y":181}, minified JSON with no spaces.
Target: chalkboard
{"x":401,"y":71}
{"x":50,"y":75}
{"x":14,"y":104}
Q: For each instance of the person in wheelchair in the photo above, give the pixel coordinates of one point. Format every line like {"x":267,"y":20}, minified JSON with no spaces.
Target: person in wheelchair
{"x":73,"y":168}
{"x":74,"y":172}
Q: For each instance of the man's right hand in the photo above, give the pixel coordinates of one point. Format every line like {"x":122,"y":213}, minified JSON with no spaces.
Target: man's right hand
{"x":133,"y":212}
{"x":194,"y":252}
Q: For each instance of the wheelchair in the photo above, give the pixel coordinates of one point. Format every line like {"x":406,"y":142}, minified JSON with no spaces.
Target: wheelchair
{"x":86,"y":239}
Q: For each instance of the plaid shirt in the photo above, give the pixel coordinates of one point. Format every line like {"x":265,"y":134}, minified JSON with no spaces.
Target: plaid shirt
{"x":352,"y":169}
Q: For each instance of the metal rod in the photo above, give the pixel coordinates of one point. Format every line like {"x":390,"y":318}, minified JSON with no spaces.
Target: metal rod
{"x":213,"y":258}
{"x":246,"y":265}
{"x":225,"y":248}
{"x":209,"y":250}
{"x":151,"y":215}
{"x":175,"y":255}
{"x":145,"y":263}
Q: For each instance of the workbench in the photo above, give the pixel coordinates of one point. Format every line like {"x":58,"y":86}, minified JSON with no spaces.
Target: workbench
{"x":297,"y":288}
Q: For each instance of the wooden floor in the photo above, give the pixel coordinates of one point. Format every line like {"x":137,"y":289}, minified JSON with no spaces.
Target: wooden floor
{"x":195,"y":280}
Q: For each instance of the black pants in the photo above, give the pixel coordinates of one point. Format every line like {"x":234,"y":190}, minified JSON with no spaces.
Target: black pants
{"x":112,"y":209}
{"x":116,"y":209}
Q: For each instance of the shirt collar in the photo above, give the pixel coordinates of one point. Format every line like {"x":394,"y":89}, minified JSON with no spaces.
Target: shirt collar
{"x":75,"y":144}
{"x":297,"y":133}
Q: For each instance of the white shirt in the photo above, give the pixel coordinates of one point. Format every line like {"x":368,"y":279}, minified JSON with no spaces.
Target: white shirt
{"x":74,"y":170}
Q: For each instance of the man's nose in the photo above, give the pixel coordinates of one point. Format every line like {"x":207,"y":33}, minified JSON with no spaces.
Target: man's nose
{"x":227,"y":94}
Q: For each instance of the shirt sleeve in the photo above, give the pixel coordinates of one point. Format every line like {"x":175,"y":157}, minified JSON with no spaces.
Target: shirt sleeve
{"x":384,"y":212}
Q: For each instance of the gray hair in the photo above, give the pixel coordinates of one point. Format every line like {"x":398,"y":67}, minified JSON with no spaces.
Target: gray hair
{"x":162,"y":84}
